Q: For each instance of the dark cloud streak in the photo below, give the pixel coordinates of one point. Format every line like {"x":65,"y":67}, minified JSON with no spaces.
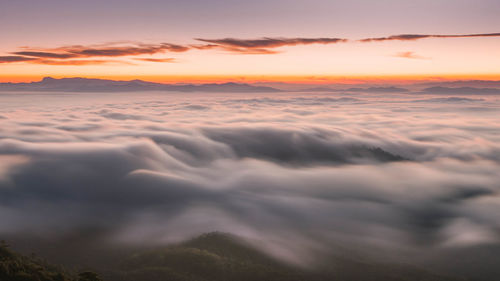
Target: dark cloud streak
{"x":45,"y":55}
{"x":267,"y":45}
{"x":262,"y":45}
{"x":85,"y":55}
{"x":156,"y":60}
{"x":77,"y":62}
{"x":413,"y":37}
{"x":12,"y":59}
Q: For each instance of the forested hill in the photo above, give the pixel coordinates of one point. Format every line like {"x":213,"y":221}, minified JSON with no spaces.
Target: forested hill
{"x":209,"y":257}
{"x":16,"y":267}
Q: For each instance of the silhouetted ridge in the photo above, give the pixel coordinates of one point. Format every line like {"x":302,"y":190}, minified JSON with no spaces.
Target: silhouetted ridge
{"x":16,"y":267}
{"x":213,"y":256}
{"x":377,"y":90}
{"x":228,"y":246}
{"x":220,"y":256}
{"x":461,"y":91}
{"x":78,"y":84}
{"x":391,"y":89}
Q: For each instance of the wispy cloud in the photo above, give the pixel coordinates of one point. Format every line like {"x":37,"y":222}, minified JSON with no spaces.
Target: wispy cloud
{"x":262,"y":45}
{"x":97,"y":53}
{"x":156,"y":59}
{"x":413,"y":37}
{"x":204,"y":46}
{"x":77,"y":62}
{"x":10,"y":59}
{"x":45,"y":55}
{"x":86,"y":55}
{"x":410,"y":55}
{"x":118,"y":51}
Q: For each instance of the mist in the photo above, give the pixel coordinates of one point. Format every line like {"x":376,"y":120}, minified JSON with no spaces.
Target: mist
{"x":297,"y":174}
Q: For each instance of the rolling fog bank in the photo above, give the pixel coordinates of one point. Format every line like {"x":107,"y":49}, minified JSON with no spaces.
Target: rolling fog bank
{"x":301,"y":176}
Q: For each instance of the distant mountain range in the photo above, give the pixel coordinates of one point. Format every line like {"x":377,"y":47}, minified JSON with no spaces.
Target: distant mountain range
{"x":436,"y":90}
{"x":378,"y":90}
{"x":460,"y":91}
{"x":49,"y":84}
{"x":358,"y":90}
{"x":462,"y":83}
{"x":102,"y":85}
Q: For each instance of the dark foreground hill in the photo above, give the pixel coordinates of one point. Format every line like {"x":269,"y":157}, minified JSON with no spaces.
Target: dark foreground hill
{"x":224,"y":257}
{"x":16,"y":267}
{"x":210,"y":257}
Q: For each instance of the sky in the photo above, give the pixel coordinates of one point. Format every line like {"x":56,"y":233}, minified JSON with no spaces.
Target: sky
{"x":284,"y":40}
{"x":413,"y":171}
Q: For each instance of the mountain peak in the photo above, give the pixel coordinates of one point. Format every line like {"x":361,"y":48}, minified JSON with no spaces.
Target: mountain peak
{"x":47,"y":79}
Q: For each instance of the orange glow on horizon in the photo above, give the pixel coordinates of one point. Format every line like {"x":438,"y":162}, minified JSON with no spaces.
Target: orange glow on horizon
{"x":296,"y":79}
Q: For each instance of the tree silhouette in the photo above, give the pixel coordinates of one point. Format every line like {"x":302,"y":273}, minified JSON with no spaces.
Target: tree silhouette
{"x":88,"y":276}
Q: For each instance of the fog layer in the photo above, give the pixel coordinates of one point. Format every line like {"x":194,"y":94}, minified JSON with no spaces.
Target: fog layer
{"x":296,"y":173}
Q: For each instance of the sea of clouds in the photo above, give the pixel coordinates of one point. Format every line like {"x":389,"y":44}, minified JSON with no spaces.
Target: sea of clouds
{"x":295,"y":172}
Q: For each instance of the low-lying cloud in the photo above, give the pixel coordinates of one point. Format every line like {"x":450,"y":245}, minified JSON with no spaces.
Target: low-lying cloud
{"x":359,"y":171}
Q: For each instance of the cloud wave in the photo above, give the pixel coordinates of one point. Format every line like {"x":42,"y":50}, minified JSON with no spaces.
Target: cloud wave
{"x":357,"y":169}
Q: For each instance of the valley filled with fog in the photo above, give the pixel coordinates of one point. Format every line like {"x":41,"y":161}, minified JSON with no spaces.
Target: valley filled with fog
{"x":302,"y":176}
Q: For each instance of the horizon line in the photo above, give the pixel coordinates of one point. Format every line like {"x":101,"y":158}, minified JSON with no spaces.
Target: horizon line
{"x":286,"y":79}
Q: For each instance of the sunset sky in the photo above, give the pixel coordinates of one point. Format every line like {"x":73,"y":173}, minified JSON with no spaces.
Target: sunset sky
{"x":291,"y":140}
{"x":285,"y":40}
